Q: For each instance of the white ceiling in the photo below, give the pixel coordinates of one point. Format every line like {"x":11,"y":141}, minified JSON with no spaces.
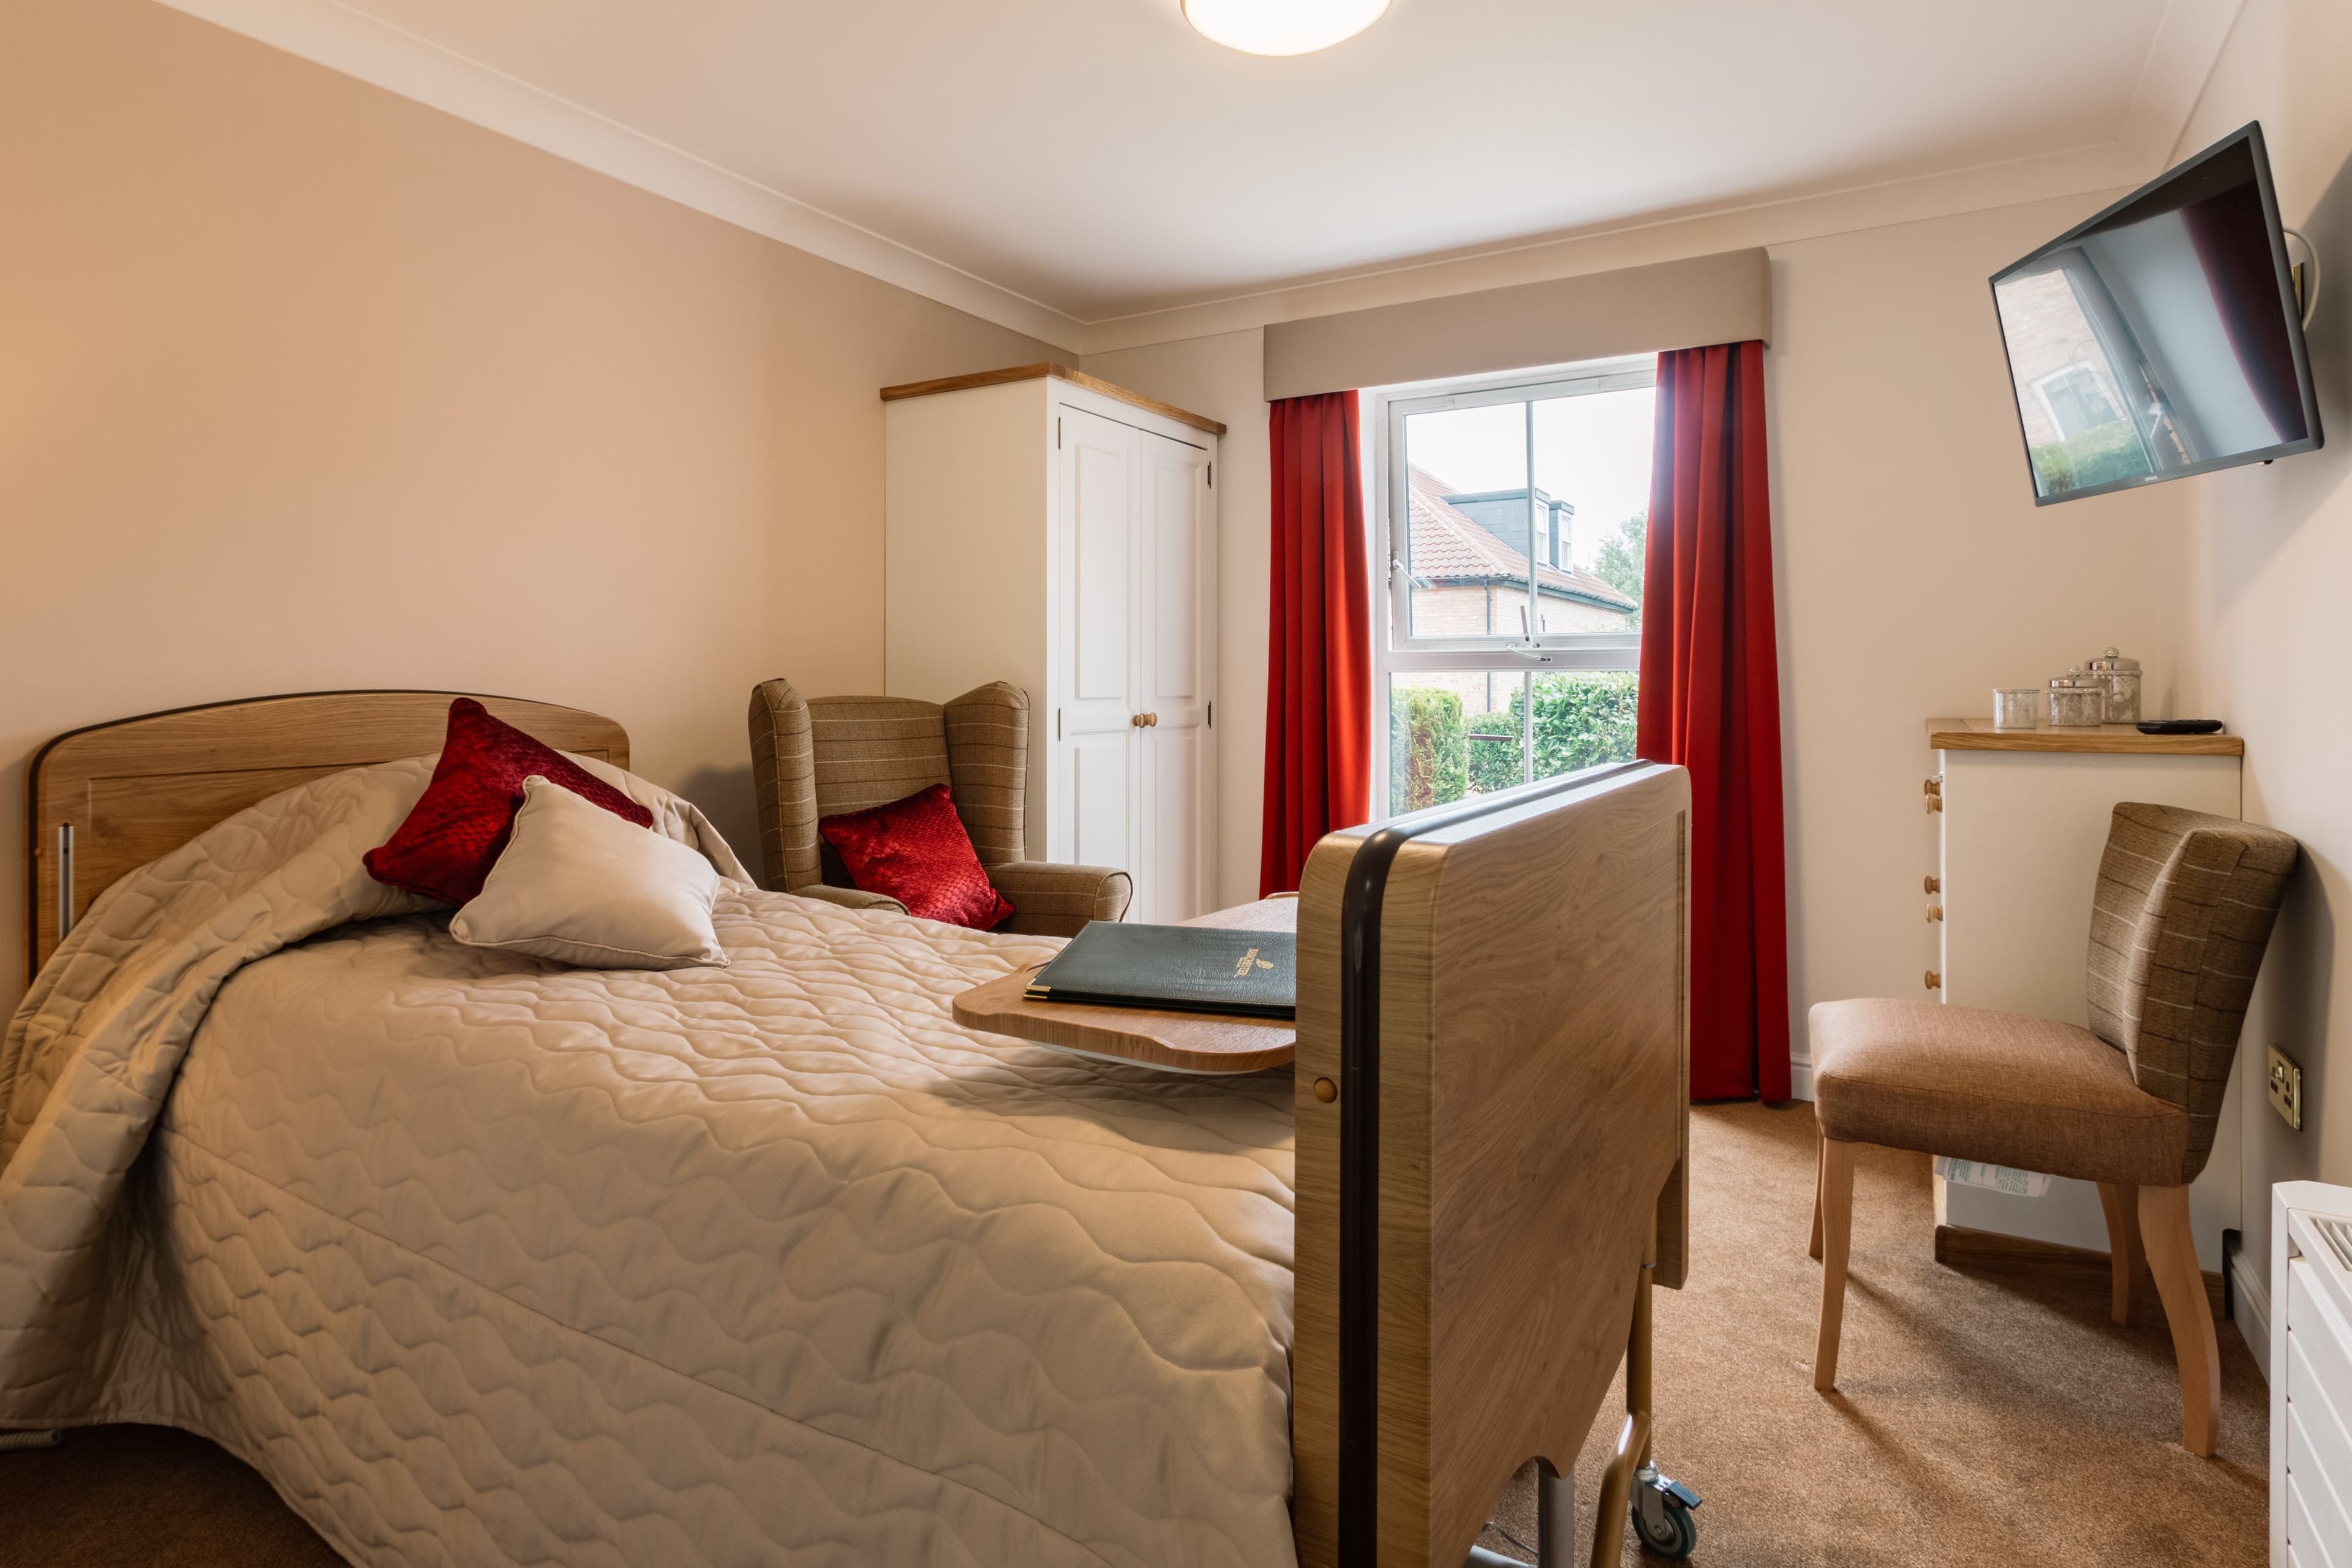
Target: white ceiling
{"x":1099,"y":158}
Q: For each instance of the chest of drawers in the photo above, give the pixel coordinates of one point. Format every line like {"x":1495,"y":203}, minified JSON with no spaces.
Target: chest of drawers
{"x":2310,"y":1375}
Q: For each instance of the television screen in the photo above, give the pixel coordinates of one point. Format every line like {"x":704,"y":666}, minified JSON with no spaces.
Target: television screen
{"x":2163,"y":337}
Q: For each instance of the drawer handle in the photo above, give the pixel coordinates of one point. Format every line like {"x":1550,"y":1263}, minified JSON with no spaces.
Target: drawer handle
{"x":1935,"y":981}
{"x":1934,"y":885}
{"x":1935,"y":911}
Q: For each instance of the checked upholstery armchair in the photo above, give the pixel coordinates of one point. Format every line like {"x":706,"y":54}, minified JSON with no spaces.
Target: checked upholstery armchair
{"x":816,"y":757}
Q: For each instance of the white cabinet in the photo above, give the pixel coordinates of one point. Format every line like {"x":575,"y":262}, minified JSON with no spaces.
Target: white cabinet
{"x":2311,"y":1374}
{"x":2025,"y":821}
{"x":1046,"y":529}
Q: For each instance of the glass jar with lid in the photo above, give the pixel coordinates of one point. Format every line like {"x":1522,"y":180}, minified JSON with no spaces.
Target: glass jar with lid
{"x":2120,"y":676}
{"x":2077,"y":702}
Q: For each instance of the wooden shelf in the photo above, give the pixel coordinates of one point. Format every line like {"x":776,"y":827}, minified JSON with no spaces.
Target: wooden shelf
{"x":1979,"y":735}
{"x":1059,"y":373}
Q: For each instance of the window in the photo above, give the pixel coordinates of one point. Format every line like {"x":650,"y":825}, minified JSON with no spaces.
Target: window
{"x":2078,"y":401}
{"x":1509,"y":519}
{"x":2080,"y":426}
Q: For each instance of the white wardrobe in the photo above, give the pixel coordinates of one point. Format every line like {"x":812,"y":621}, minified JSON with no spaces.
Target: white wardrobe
{"x":1048,"y":528}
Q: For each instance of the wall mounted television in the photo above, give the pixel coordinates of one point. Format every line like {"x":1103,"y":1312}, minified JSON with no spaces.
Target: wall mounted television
{"x":2164,"y":337}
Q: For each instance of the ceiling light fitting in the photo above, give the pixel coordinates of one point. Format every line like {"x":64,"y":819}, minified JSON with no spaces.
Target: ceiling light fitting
{"x":1281,"y":27}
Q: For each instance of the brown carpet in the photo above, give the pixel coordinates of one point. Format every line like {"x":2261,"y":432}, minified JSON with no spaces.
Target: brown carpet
{"x":1978,"y":1420}
{"x":112,"y":1496}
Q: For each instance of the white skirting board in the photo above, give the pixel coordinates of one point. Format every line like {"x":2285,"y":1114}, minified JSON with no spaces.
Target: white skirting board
{"x":2251,"y":1294}
{"x":1800,"y":1079}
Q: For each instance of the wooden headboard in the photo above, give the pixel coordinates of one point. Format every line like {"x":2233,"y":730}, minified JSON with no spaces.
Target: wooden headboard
{"x":107,"y":799}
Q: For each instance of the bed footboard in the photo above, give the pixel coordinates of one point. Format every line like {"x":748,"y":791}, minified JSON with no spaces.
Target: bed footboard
{"x":1493,"y":1114}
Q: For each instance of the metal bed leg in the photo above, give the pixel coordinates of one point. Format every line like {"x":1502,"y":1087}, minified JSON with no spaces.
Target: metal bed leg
{"x":1555,"y":1524}
{"x":1632,"y":1490}
{"x":1554,"y":1516}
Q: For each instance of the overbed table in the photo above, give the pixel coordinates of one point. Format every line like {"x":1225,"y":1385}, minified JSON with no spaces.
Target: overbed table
{"x":1183,"y":1042}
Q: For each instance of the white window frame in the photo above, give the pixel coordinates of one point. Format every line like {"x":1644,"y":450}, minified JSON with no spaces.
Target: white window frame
{"x":1395,"y":650}
{"x":2106,"y":392}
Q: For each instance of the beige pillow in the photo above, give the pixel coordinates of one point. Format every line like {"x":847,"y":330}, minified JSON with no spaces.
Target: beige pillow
{"x":578,"y":884}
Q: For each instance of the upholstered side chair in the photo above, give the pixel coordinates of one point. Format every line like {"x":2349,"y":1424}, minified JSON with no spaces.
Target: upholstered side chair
{"x":815,"y":757}
{"x":2182,"y":912}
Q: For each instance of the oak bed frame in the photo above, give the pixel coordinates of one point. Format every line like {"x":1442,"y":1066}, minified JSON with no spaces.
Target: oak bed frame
{"x":1491,"y":1099}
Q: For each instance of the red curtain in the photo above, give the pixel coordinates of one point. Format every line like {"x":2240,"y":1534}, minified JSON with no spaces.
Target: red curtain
{"x":1711,"y":702}
{"x":1318,"y":736}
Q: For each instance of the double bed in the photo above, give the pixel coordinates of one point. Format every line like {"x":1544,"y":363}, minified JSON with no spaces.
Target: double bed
{"x":482,"y":1259}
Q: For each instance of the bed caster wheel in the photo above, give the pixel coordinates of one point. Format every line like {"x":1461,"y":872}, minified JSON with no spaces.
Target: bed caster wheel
{"x":1662,"y":1515}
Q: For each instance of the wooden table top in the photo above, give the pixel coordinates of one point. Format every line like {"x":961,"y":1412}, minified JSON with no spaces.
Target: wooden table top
{"x":1185,"y":1042}
{"x":2114,"y":740}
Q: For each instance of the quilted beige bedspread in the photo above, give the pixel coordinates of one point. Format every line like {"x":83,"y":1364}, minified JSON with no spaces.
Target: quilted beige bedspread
{"x":483,"y":1260}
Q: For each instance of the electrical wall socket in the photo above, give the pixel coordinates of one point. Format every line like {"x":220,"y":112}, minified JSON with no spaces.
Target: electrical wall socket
{"x":2287,"y":1088}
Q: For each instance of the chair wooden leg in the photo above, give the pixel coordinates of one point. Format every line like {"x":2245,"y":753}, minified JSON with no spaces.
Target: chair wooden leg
{"x":2123,"y":1250}
{"x":2172,"y":1257}
{"x":1836,"y":1204}
{"x":1821,"y":1157}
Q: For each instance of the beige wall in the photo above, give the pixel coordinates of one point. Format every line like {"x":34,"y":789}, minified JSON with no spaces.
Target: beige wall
{"x":2270,"y":638}
{"x":1225,"y":377}
{"x":1916,"y":573}
{"x":305,"y":385}
{"x":302,"y":385}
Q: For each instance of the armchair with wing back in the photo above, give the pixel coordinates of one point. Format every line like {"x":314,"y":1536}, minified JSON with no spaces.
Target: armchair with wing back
{"x":817,"y":757}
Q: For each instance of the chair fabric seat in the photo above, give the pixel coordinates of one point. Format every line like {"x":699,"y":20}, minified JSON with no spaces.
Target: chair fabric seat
{"x":2003,"y":1088}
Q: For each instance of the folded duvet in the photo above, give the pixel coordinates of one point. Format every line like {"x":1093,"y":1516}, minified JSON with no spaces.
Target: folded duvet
{"x":480,"y":1259}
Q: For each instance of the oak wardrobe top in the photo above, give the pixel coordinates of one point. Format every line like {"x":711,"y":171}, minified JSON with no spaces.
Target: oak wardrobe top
{"x":1060,"y":373}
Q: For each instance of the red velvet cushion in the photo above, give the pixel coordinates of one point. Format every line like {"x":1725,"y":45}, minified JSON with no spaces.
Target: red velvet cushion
{"x":453,"y":837}
{"x":916,"y":851}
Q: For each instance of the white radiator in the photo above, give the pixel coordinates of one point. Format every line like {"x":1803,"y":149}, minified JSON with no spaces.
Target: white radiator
{"x":2310,"y":1375}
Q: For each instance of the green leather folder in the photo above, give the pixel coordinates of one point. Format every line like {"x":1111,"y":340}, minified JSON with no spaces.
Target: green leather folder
{"x":1193,"y":969}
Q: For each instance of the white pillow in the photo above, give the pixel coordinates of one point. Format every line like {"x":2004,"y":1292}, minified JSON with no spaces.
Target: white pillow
{"x":583,"y":887}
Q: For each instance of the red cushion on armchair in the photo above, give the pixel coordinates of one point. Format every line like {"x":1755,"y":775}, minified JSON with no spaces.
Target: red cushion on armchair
{"x":454,"y":834}
{"x":916,"y":851}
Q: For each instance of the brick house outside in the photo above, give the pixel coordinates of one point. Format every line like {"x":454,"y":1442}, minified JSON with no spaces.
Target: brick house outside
{"x":1467,"y":557}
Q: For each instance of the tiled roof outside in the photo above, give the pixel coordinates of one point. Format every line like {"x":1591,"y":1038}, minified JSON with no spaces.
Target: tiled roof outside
{"x":1449,"y":546}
